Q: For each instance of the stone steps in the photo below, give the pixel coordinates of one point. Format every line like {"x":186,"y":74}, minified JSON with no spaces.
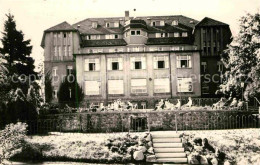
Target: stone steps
{"x":168,"y":148}
{"x":166,"y":140}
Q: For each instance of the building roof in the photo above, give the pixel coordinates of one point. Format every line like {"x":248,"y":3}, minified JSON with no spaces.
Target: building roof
{"x":64,"y":26}
{"x":210,"y":22}
{"x":169,"y":41}
{"x":107,"y":42}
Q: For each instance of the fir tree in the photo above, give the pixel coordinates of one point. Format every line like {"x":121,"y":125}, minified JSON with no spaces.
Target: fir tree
{"x":16,"y":51}
{"x":242,"y":60}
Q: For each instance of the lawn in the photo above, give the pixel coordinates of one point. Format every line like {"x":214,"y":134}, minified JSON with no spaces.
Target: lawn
{"x":241,"y":146}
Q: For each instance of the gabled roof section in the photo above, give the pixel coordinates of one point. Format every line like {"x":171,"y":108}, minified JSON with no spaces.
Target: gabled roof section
{"x":98,"y":43}
{"x":210,"y":22}
{"x":64,"y":26}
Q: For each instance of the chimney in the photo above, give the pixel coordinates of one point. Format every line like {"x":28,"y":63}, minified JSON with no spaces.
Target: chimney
{"x":127,"y":15}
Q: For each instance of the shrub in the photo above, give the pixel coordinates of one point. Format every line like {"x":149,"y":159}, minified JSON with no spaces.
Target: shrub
{"x":12,"y":140}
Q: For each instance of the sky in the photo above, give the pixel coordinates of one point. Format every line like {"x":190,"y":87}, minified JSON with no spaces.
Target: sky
{"x":35,"y":16}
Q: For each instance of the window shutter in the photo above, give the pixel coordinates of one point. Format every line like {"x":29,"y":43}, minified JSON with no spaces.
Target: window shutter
{"x":143,"y":63}
{"x":97,"y":64}
{"x":86,"y":65}
{"x":189,"y":58}
{"x":132,"y":60}
{"x":120,"y":61}
{"x":155,"y":62}
{"x":166,"y":60}
{"x":109,"y":64}
{"x":178,"y":62}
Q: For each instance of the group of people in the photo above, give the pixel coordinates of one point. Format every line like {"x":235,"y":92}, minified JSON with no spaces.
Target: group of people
{"x":116,"y":105}
{"x":232,"y":103}
{"x":167,"y":105}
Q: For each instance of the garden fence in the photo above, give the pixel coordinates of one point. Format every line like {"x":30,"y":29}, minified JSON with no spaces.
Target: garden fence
{"x":108,"y":122}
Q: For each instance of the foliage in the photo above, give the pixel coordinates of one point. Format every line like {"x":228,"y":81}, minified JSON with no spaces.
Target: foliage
{"x":16,"y":51}
{"x":242,"y":59}
{"x":48,"y":87}
{"x":70,"y":91}
{"x":11,"y":140}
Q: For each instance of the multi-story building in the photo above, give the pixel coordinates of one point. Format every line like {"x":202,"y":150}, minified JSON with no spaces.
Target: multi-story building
{"x":140,"y":59}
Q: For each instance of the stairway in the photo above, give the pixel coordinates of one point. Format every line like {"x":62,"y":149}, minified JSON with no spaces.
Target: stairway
{"x":168,"y":148}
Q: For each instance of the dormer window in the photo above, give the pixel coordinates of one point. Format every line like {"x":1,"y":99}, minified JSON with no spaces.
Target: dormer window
{"x":94,"y":24}
{"x":116,"y":36}
{"x":116,"y":24}
{"x":153,"y":23}
{"x":162,"y":23}
{"x":107,"y":24}
{"x":176,"y":34}
{"x":184,"y":34}
{"x":174,"y":22}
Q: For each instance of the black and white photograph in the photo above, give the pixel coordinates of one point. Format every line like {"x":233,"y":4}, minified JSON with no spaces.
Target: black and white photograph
{"x":129,"y":82}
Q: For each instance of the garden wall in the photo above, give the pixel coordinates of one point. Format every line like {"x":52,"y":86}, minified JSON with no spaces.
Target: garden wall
{"x":154,"y":120}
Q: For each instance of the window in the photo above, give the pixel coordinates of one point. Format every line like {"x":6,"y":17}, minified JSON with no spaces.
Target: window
{"x":138,"y":32}
{"x":184,"y":61}
{"x":55,"y":39}
{"x":92,"y":64}
{"x":184,"y":34}
{"x":160,"y":35}
{"x":64,"y":35}
{"x":116,"y":24}
{"x":176,"y":34}
{"x":174,"y":22}
{"x":161,"y":62}
{"x":54,"y":71}
{"x":100,"y":50}
{"x":115,"y":63}
{"x":220,"y":66}
{"x":59,"y":49}
{"x":69,"y":70}
{"x":65,"y":51}
{"x":107,"y":24}
{"x":55,"y":93}
{"x":64,"y":38}
{"x":115,"y":86}
{"x":135,"y":49}
{"x":162,"y":23}
{"x":132,"y":33}
{"x":162,"y":85}
{"x":185,"y":85}
{"x":94,"y":24}
{"x":116,"y":36}
{"x":92,"y":87}
{"x":138,"y":86}
{"x":69,"y":36}
{"x":55,"y":51}
{"x":175,"y":48}
{"x":69,"y":48}
{"x":204,"y":66}
{"x":153,"y":23}
{"x":138,"y":63}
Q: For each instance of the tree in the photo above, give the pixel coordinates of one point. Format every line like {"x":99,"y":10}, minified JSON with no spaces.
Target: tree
{"x":70,"y":91}
{"x":242,"y":59}
{"x":16,"y":51}
{"x":48,"y":87}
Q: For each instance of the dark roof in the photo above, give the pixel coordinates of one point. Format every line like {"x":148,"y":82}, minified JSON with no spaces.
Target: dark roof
{"x":167,"y":28}
{"x":86,"y":25}
{"x":64,"y":26}
{"x":169,"y":41}
{"x":138,"y":24}
{"x":210,"y":22}
{"x":109,"y":42}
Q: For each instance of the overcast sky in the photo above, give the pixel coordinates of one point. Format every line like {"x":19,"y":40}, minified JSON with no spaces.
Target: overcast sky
{"x":34,"y":16}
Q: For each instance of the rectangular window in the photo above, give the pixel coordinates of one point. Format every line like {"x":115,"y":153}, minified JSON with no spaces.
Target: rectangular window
{"x":161,"y":62}
{"x":153,"y":23}
{"x":138,"y":32}
{"x":132,"y":32}
{"x":220,"y":66}
{"x":162,"y":23}
{"x":60,"y":54}
{"x":138,"y":86}
{"x":175,"y":22}
{"x":138,"y":63}
{"x":55,"y":94}
{"x":94,"y":24}
{"x":54,"y":71}
{"x":184,"y":34}
{"x":64,"y":39}
{"x":184,"y":61}
{"x":176,"y":34}
{"x":107,"y":24}
{"x":55,"y":51}
{"x":69,"y":48}
{"x":135,"y":49}
{"x":115,"y":86}
{"x":69,"y":70}
{"x":185,"y":85}
{"x":204,"y":66}
{"x":162,"y":85}
{"x":55,"y":39}
{"x":116,"y":24}
{"x":116,"y":36}
{"x":175,"y":48}
{"x":92,"y":87}
{"x":115,"y":63}
{"x":92,"y":64}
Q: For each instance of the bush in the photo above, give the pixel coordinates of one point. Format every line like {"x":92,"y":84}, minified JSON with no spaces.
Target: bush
{"x":12,"y":139}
